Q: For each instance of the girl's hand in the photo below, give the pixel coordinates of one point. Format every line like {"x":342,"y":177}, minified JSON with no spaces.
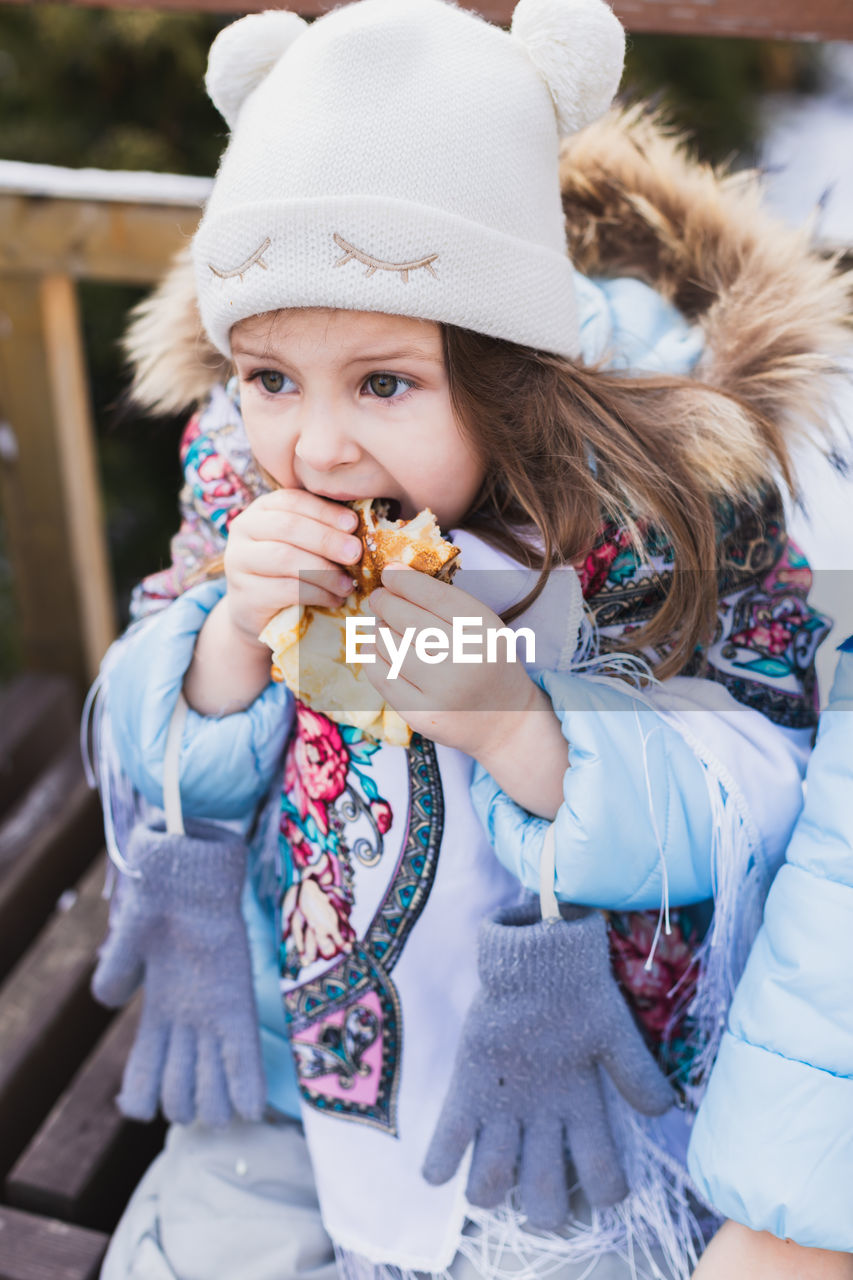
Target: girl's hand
{"x":737,"y":1251}
{"x":288,"y":547}
{"x":491,"y":710}
{"x":459,"y":704}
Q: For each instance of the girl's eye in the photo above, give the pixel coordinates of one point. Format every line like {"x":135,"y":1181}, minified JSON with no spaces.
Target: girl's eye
{"x":272,"y":381}
{"x":387,"y":386}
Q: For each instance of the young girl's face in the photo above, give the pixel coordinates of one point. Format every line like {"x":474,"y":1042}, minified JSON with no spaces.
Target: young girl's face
{"x":355,"y":404}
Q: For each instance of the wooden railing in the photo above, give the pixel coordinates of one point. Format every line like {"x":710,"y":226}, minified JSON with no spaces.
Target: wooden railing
{"x":58,"y":226}
{"x":763,"y":19}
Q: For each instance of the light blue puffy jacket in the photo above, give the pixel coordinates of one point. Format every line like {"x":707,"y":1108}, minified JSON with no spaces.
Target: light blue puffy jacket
{"x":772,"y":1146}
{"x":637,"y":818}
{"x":613,"y":843}
{"x":229,"y":765}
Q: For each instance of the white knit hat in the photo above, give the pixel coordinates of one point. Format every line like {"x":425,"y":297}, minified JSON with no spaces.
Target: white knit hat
{"x":401,"y":156}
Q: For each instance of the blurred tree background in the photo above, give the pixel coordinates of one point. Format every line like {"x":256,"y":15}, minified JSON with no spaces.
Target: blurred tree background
{"x":123,"y":90}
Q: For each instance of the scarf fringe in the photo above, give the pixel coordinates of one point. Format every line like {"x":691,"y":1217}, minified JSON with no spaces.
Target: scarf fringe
{"x":354,"y":1266}
{"x":659,"y":1231}
{"x":740,"y":883}
{"x":103,"y":768}
{"x":582,"y":652}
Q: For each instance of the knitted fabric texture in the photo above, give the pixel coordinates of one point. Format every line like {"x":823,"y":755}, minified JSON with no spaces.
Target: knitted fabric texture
{"x":400,"y":156}
{"x":177,"y":926}
{"x":526,"y":1087}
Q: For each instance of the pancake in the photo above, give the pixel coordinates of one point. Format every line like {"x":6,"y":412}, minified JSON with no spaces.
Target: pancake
{"x":309,"y":644}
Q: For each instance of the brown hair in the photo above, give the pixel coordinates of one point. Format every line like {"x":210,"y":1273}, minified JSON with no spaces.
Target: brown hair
{"x":566,"y":448}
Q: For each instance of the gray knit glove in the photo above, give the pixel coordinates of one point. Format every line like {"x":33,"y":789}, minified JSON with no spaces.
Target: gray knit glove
{"x":526,"y":1086}
{"x":179,"y":928}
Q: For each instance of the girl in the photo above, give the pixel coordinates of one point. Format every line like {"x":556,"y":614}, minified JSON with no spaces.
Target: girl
{"x":382,"y":272}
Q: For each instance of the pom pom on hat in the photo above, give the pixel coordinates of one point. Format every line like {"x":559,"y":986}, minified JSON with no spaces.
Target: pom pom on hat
{"x":578,"y":48}
{"x":244,"y":53}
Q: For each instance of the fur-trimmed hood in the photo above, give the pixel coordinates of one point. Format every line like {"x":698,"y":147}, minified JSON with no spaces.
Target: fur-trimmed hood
{"x":775,"y":314}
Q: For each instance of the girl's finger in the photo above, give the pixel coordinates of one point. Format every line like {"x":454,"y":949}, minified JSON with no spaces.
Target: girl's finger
{"x":318,"y":597}
{"x":436,"y":680}
{"x":301,"y":501}
{"x":441,"y":599}
{"x":399,"y":613}
{"x":276,"y":560}
{"x":401,"y":693}
{"x":271,"y":595}
{"x":295,"y":529}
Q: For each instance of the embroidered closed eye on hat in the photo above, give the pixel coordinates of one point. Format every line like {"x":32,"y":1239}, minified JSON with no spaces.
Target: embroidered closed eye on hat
{"x":401,"y":156}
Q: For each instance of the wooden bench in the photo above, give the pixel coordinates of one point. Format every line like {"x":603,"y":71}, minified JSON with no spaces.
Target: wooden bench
{"x":68,"y":1159}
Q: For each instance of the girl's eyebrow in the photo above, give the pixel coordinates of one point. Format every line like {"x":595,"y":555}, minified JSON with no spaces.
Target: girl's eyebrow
{"x":377,"y":358}
{"x":406,"y":353}
{"x":238,"y":349}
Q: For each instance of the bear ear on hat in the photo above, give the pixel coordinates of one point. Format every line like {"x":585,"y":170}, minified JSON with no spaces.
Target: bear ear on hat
{"x":578,"y":48}
{"x":244,"y":53}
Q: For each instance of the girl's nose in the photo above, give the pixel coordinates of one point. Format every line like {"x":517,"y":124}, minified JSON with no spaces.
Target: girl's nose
{"x":323,"y":440}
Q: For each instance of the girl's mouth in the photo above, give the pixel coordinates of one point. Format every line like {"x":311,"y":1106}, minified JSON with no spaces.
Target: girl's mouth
{"x":388,"y":507}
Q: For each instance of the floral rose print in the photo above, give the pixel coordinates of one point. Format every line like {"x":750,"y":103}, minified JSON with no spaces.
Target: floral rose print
{"x":596,"y":568}
{"x":316,"y":914}
{"x":381,"y":811}
{"x":300,"y":850}
{"x":328,"y":785}
{"x":316,"y":768}
{"x":210,"y":479}
{"x":774,"y":631}
{"x":657,"y":994}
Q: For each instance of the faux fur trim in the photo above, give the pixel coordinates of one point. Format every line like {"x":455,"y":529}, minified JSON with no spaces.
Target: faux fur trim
{"x":174,"y":363}
{"x":776,"y":315}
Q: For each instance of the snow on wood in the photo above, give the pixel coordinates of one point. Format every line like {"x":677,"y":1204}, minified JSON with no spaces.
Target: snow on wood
{"x":46,"y":180}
